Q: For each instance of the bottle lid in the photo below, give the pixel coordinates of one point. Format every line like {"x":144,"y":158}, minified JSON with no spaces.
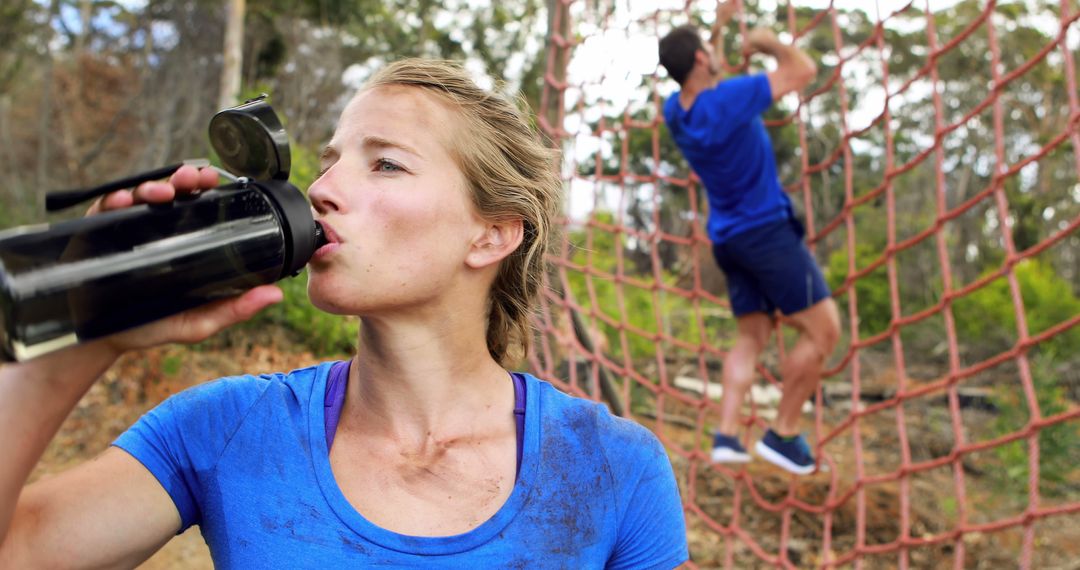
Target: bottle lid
{"x":251,"y":142}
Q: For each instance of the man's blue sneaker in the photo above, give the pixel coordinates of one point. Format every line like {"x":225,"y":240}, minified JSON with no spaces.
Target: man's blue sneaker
{"x":727,"y":449}
{"x":790,"y":454}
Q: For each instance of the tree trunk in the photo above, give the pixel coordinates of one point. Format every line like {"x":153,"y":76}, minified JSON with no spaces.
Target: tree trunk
{"x":86,"y":12}
{"x":44,"y":158}
{"x":233,"y":54}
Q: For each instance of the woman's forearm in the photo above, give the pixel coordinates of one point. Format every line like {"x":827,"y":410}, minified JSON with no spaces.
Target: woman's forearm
{"x":35,"y":398}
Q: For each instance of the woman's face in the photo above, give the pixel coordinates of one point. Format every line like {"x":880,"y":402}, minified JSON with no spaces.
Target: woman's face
{"x":396,"y":205}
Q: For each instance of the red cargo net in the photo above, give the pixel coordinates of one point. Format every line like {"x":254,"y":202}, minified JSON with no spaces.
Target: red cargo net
{"x":632,"y":274}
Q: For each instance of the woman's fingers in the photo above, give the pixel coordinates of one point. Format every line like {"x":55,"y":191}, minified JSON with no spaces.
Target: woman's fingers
{"x":188,"y":178}
{"x":111,"y":201}
{"x":251,"y":302}
{"x":185,"y":180}
{"x":208,"y":178}
{"x":153,"y":193}
{"x":201,"y":323}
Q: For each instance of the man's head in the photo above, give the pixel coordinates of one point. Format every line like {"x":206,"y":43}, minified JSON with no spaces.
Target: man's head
{"x":679,"y":52}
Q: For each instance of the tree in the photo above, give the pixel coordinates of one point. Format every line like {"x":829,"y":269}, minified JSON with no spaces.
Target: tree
{"x":166,"y":73}
{"x":232,"y":56}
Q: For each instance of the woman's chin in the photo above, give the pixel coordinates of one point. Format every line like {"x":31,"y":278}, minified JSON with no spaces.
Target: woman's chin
{"x":326,"y":299}
{"x":330,"y":306}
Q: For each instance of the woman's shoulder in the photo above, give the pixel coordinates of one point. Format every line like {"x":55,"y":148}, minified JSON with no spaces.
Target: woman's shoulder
{"x":616,"y":434}
{"x":244,"y":389}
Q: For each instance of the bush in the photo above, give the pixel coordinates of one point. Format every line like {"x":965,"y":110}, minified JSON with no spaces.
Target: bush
{"x":986,"y":319}
{"x":637,"y":306}
{"x":322,"y":333}
{"x":871,"y":290}
{"x":1058,"y":470}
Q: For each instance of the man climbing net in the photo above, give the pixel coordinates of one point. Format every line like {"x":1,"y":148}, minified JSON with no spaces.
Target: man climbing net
{"x":757,"y":240}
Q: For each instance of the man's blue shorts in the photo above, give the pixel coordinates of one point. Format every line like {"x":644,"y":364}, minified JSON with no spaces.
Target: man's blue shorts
{"x":769,"y":268}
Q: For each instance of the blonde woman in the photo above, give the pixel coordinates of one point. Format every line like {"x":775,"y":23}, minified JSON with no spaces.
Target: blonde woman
{"x":422,"y":451}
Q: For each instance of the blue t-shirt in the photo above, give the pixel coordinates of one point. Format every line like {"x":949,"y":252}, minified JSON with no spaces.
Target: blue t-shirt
{"x":245,"y":458}
{"x":724,"y":139}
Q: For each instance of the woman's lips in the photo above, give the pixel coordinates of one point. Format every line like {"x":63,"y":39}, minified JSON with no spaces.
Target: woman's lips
{"x":332,"y":241}
{"x":328,"y":231}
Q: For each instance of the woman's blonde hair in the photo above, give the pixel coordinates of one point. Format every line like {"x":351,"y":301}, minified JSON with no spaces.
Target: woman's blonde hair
{"x":511,"y":174}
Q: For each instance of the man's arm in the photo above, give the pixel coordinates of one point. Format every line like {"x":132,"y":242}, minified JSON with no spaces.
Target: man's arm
{"x":794,"y":69}
{"x":724,"y":12}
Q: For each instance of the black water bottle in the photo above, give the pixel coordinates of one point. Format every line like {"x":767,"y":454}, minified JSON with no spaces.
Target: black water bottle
{"x":87,"y":278}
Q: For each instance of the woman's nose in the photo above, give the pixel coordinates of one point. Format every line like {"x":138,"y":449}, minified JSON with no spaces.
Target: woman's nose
{"x":322,"y":196}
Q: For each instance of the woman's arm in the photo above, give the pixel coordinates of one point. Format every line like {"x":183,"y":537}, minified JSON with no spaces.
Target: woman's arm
{"x":109,"y":511}
{"x":101,"y":512}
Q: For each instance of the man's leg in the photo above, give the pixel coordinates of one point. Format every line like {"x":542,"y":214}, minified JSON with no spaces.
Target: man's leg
{"x":753,"y":332}
{"x":819,"y":330}
{"x":754,"y":324}
{"x":792,"y":280}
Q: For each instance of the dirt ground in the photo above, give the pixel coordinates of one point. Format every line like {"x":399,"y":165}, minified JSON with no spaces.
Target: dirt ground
{"x":140,"y":381}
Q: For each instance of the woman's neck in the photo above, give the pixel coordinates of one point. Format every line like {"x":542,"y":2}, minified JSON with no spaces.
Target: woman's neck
{"x":412,"y":381}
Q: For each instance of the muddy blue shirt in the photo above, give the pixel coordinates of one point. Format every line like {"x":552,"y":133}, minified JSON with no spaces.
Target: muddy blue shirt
{"x":724,"y":139}
{"x":245,"y":458}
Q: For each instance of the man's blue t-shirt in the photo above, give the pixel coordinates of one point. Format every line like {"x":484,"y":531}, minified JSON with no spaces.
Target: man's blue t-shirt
{"x":245,"y":458}
{"x":724,"y":139}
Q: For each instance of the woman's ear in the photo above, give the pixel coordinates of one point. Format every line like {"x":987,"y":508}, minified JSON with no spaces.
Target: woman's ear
{"x":498,"y":240}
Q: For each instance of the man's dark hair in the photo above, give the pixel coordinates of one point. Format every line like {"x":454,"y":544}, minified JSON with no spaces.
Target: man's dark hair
{"x":677,"y":51}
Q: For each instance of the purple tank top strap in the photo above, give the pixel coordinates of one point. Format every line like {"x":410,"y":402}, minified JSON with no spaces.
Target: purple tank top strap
{"x":519,"y":416}
{"x":336,"y":382}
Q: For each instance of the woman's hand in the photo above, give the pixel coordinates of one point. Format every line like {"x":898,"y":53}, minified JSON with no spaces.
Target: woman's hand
{"x":186,"y":180}
{"x":196,"y":324}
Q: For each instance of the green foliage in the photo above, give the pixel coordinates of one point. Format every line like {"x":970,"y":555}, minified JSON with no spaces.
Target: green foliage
{"x":986,"y":318}
{"x":641,"y":307}
{"x":871,"y":290}
{"x":170,"y":365}
{"x":948,"y":507}
{"x":1059,"y":474}
{"x":493,"y":33}
{"x":305,"y":166}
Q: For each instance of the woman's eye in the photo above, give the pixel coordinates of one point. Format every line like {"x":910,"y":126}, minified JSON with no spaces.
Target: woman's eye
{"x":383,"y":165}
